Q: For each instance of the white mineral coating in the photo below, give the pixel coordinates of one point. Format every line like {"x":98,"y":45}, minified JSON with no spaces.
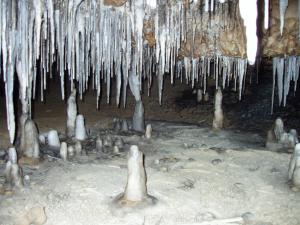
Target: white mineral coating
{"x":148,"y":133}
{"x":71,"y":114}
{"x":199,"y":95}
{"x":42,"y":139}
{"x":31,"y":145}
{"x":138,"y":121}
{"x":206,"y":97}
{"x":71,"y":151}
{"x":13,"y":173}
{"x":135,"y":189}
{"x":63,"y":152}
{"x":218,"y":114}
{"x":78,"y":148}
{"x":116,"y":149}
{"x":294,"y":133}
{"x":12,"y":155}
{"x":278,"y":129}
{"x":80,"y":131}
{"x":53,"y":139}
{"x":292,"y":164}
{"x":124,"y":125}
{"x":296,"y":173}
{"x":22,"y":122}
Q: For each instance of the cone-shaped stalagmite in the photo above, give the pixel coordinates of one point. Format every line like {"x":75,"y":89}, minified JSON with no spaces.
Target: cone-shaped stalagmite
{"x":71,"y":114}
{"x":30,"y":140}
{"x":53,"y":139}
{"x":136,"y":189}
{"x":218,"y":115}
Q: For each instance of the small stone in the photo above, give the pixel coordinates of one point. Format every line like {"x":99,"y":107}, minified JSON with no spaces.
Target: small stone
{"x":216,"y":161}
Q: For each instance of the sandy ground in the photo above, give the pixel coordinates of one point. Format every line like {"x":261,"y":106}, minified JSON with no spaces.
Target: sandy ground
{"x":197,"y":175}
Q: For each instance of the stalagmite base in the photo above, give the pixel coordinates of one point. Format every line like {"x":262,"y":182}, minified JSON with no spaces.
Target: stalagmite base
{"x":138,"y":122}
{"x":13,"y":173}
{"x":63,"y":151}
{"x":135,"y":193}
{"x":218,"y":115}
{"x":294,"y":169}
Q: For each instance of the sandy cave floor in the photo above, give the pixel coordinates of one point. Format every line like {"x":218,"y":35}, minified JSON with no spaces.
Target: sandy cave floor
{"x":196,"y":174}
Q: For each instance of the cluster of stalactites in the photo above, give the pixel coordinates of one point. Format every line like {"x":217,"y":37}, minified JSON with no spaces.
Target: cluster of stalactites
{"x":287,"y":70}
{"x":89,"y":40}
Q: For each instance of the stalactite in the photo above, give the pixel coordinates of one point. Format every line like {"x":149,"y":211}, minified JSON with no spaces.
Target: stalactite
{"x":282,"y":8}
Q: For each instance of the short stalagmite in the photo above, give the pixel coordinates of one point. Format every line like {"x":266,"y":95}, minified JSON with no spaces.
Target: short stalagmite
{"x":80,"y":131}
{"x":53,"y":139}
{"x":31,"y":148}
{"x":199,"y":95}
{"x":63,"y":151}
{"x":136,"y":190}
{"x":148,"y":133}
{"x":71,"y":114}
{"x":218,"y":115}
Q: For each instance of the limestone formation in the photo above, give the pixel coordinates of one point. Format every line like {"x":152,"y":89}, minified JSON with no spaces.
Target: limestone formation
{"x":206,"y":97}
{"x":71,"y":151}
{"x":31,"y":146}
{"x":13,"y":173}
{"x":199,"y":95}
{"x":218,"y":115}
{"x":53,"y":139}
{"x":148,"y":133}
{"x":278,"y":129}
{"x":293,"y":160}
{"x":71,"y":114}
{"x":136,"y":190}
{"x":80,"y":131}
{"x":138,"y":122}
{"x":63,"y":151}
{"x":124,"y":126}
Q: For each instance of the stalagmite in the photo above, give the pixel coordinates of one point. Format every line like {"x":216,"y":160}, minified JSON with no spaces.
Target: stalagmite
{"x":124,"y":126}
{"x":53,"y":139}
{"x":31,"y":146}
{"x":278,"y":128}
{"x":199,"y":95}
{"x":71,"y":114}
{"x":63,"y":151}
{"x":138,"y":122}
{"x":136,"y":190}
{"x":71,"y":151}
{"x":206,"y":97}
{"x":22,"y":122}
{"x":292,"y":163}
{"x":148,"y":133}
{"x":218,"y":114}
{"x":80,"y":131}
{"x":13,"y":173}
